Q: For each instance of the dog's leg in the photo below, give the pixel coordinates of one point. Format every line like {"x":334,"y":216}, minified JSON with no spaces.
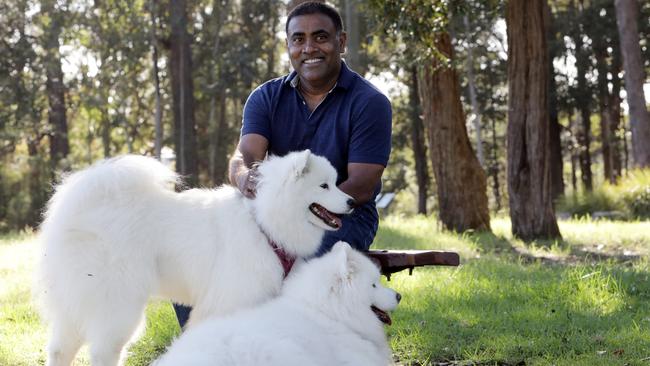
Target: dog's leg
{"x":106,"y":354}
{"x":107,"y":341}
{"x":63,"y":346}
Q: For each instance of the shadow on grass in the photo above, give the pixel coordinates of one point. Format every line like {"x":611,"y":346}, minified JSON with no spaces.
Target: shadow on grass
{"x":488,"y":242}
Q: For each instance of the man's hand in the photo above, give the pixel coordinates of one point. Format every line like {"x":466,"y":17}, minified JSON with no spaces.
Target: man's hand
{"x":242,"y":170}
{"x":247,"y":182}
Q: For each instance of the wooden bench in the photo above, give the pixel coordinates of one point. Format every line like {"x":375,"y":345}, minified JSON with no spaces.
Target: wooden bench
{"x":391,"y":261}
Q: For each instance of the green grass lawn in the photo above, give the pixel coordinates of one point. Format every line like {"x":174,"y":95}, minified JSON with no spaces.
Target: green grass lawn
{"x":582,"y":301}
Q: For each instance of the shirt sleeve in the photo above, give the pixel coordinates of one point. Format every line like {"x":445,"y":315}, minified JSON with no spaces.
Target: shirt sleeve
{"x":370,"y":141}
{"x":257,"y":114}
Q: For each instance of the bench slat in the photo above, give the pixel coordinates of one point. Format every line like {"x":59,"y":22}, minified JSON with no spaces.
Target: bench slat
{"x":392,"y":261}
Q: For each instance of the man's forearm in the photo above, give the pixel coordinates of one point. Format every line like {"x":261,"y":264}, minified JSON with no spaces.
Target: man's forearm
{"x":236,"y":167}
{"x":360,"y":192}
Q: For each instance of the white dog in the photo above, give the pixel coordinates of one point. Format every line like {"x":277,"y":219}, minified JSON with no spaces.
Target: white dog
{"x":117,"y":233}
{"x":327,"y":315}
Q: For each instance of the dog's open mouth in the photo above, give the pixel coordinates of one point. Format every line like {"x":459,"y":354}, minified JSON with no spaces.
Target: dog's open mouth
{"x":330,"y":219}
{"x":382,"y":315}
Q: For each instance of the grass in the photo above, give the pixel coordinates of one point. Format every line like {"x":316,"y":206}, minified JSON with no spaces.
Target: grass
{"x":581,"y":301}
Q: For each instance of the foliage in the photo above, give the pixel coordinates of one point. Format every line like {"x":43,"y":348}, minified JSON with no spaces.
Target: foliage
{"x":630,"y":197}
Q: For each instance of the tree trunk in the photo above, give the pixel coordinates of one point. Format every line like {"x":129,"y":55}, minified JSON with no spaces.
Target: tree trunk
{"x":59,"y":144}
{"x":461,"y":182}
{"x":494,"y":167}
{"x":529,"y":184}
{"x":471,"y":85}
{"x":352,"y":20}
{"x":615,"y":116}
{"x":417,"y":140}
{"x":158,"y":140}
{"x":583,"y":98}
{"x":600,"y":53}
{"x":183,"y":94}
{"x":555,"y":142}
{"x":627,"y":12}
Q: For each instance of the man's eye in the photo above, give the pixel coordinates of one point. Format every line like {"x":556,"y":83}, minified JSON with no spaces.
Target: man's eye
{"x":321,"y":38}
{"x":325,"y":186}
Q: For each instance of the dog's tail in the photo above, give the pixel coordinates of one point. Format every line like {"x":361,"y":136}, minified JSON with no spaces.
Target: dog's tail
{"x":113,"y":180}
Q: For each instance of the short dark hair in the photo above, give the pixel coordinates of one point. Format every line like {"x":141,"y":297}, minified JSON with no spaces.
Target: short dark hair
{"x":316,"y":7}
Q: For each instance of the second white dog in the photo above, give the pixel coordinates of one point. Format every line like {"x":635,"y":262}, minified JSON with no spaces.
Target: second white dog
{"x":330,"y":313}
{"x":117,"y":233}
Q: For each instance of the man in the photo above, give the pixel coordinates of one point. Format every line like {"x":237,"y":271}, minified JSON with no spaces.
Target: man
{"x":325,"y":107}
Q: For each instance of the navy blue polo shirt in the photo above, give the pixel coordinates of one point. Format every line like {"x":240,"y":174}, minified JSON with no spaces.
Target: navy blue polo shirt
{"x":351,"y":125}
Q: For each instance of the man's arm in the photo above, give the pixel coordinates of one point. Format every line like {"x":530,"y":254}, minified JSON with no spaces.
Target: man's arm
{"x":251,"y":148}
{"x":362,"y":181}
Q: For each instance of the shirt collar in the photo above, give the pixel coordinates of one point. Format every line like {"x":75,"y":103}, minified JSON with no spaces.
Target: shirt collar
{"x":346,"y":77}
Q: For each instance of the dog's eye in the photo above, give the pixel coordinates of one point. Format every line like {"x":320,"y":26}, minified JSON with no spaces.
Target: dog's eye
{"x":374,"y":285}
{"x":324,"y":186}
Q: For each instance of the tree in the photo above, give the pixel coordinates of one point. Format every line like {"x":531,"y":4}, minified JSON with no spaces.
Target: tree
{"x":582,"y":93}
{"x":156,"y":81}
{"x":417,"y":141}
{"x":627,"y":12}
{"x":555,"y":142}
{"x":531,"y":208}
{"x":460,"y":180}
{"x":471,"y":85}
{"x":59,"y":145}
{"x":180,"y":63}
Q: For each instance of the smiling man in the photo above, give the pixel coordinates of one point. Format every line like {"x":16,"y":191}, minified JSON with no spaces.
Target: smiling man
{"x":323,"y":106}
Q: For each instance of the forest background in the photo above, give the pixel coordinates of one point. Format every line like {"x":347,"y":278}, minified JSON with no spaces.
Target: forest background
{"x":529,"y":108}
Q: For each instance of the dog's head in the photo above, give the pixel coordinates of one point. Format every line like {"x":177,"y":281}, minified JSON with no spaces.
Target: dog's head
{"x":345,"y":284}
{"x":297,"y":198}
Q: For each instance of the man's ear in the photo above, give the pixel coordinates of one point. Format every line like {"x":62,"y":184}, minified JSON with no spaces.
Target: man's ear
{"x":343,"y":41}
{"x":300,"y":163}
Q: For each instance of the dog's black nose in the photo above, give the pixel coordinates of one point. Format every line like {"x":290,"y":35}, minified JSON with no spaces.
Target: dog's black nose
{"x":399,"y":297}
{"x":352,"y":203}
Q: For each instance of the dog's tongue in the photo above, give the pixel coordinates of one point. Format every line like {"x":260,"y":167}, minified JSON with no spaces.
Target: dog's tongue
{"x":382,"y":315}
{"x":328,"y":217}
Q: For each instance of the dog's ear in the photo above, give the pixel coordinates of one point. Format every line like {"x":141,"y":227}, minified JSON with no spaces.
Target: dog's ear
{"x":301,"y":163}
{"x":341,"y":251}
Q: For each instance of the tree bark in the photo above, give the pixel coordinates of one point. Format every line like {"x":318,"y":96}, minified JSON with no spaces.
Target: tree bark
{"x":555,"y":142}
{"x":55,"y":88}
{"x":529,"y":184}
{"x":417,"y":140}
{"x":627,"y":12}
{"x":461,"y":182}
{"x":183,"y":94}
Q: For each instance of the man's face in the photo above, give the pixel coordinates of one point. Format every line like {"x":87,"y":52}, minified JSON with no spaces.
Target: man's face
{"x":315,"y":48}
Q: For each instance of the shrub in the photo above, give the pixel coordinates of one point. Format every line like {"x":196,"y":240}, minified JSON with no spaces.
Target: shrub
{"x":635,"y":189}
{"x":630,"y":196}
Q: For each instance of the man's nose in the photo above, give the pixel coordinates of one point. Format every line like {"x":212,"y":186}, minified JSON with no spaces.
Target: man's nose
{"x":308,"y":46}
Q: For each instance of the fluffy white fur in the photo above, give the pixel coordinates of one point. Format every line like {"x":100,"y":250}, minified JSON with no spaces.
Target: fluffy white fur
{"x":117,"y":233}
{"x":322,"y":318}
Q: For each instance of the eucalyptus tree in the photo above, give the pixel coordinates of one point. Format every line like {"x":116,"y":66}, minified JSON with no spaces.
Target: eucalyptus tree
{"x":52,"y":18}
{"x":627,"y":12}
{"x":529,"y":188}
{"x":460,"y":180}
